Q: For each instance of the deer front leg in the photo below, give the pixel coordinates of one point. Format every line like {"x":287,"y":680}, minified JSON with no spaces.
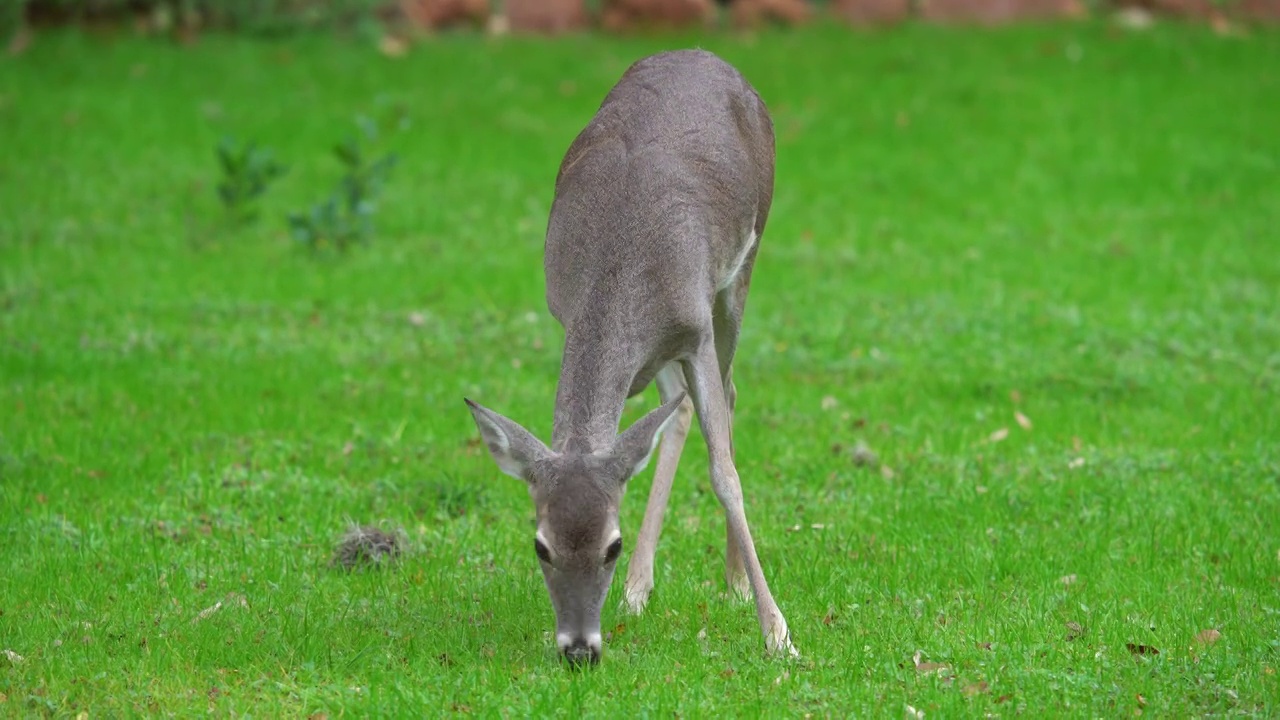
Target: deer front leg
{"x":708,"y":392}
{"x":640,"y":568}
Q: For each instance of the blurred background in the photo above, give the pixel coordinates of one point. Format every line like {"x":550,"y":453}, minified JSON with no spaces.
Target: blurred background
{"x":401,"y":20}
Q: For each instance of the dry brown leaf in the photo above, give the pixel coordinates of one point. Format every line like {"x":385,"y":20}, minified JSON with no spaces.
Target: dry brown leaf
{"x":207,"y":612}
{"x":1141,"y":649}
{"x":984,"y":646}
{"x":975,"y":688}
{"x":1074,"y":630}
{"x":20,"y":41}
{"x":1004,"y":698}
{"x":727,"y":673}
{"x":928,"y":667}
{"x":1023,"y":421}
{"x":863,"y":455}
{"x":998,"y":435}
{"x":392,"y":46}
{"x":1208,"y":637}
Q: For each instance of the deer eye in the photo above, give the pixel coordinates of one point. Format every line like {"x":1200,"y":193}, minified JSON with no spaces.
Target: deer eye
{"x":615,"y":549}
{"x":543,"y":554}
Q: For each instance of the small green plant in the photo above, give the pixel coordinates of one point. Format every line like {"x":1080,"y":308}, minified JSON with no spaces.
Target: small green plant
{"x":247,"y":172}
{"x":346,"y":216}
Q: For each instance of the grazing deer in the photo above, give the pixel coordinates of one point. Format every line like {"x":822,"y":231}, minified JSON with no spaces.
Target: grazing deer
{"x":659,"y":207}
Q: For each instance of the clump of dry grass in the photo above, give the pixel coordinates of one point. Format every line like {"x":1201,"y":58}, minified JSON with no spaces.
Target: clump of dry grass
{"x":369,"y":546}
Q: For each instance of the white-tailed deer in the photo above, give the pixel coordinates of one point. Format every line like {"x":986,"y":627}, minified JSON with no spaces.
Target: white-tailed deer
{"x":659,"y":207}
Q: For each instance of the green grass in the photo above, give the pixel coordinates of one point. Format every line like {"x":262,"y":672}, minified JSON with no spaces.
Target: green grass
{"x":1073,"y":223}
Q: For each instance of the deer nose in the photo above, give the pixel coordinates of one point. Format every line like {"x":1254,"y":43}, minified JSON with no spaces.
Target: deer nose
{"x":580,"y":653}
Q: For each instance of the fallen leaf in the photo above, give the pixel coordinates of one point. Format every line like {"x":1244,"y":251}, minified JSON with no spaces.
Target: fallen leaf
{"x":1076,"y":463}
{"x":20,"y":41}
{"x":1023,"y":421}
{"x":828,"y":402}
{"x":928,"y":667}
{"x":1141,"y":649}
{"x":1068,"y":579}
{"x":1074,"y":630}
{"x":1208,"y":637}
{"x":914,"y":714}
{"x":207,"y":612}
{"x":1142,"y":702}
{"x":498,"y":25}
{"x":392,"y":46}
{"x":887,"y":472}
{"x":974,"y":688}
{"x":13,"y":657}
{"x":786,"y":675}
{"x":863,"y":455}
{"x":998,"y":435}
{"x":829,"y":618}
{"x":1003,"y":698}
{"x":984,"y":646}
{"x":727,"y":673}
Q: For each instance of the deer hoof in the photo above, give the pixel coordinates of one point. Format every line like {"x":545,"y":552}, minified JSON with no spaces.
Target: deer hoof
{"x":778,"y":641}
{"x":636,"y":599}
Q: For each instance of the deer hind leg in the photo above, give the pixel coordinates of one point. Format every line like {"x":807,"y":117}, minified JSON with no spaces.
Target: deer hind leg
{"x":727,"y":321}
{"x":639,"y":583}
{"x":711,"y":404}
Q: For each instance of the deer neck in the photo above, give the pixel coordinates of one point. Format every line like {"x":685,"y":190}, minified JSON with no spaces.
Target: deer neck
{"x":596,"y":373}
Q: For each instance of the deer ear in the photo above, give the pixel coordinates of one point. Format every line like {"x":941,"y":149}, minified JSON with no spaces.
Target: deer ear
{"x":635,"y":446}
{"x":512,"y":447}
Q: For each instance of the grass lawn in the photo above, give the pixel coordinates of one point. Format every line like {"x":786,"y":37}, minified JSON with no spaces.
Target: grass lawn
{"x":1035,"y":271}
